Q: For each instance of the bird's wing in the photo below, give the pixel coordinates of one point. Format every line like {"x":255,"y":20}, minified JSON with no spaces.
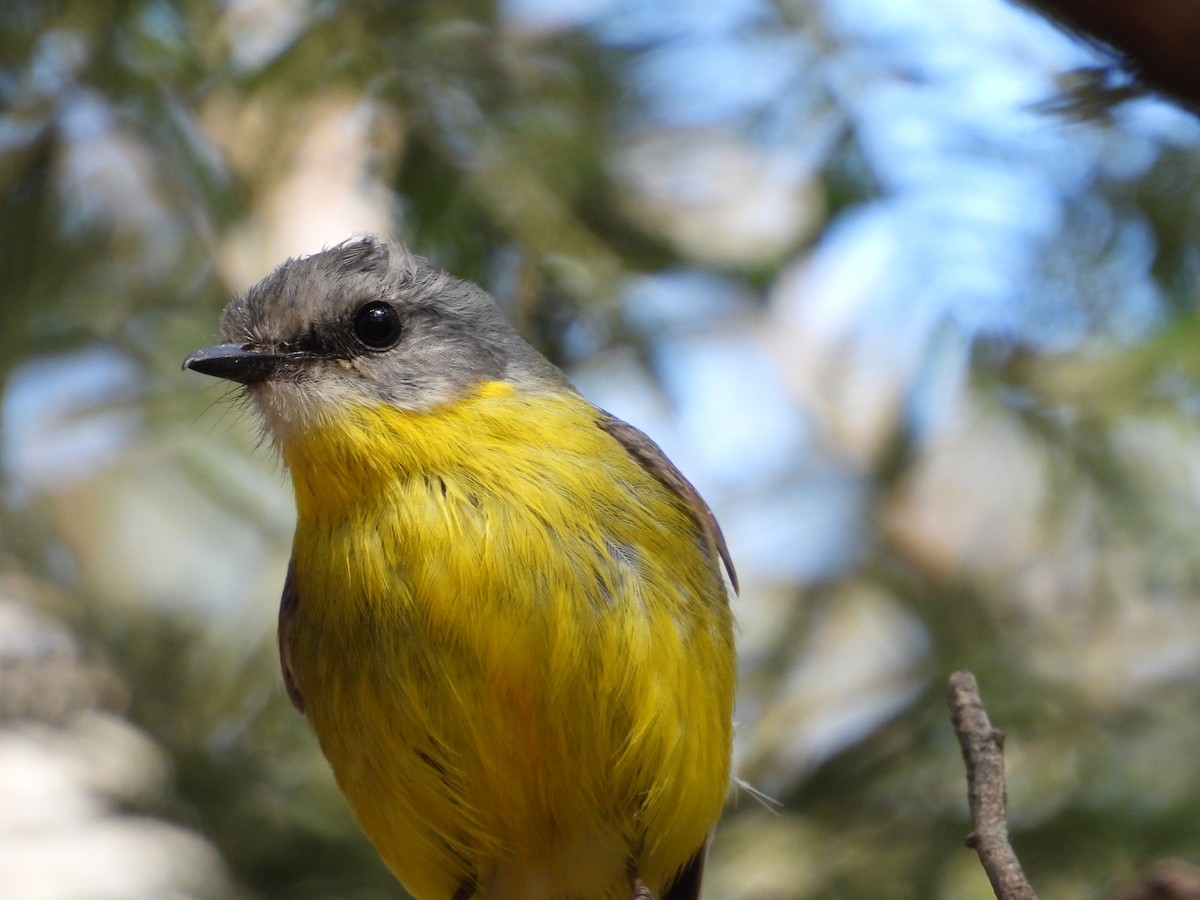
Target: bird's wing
{"x":288,"y":604}
{"x":654,"y":461}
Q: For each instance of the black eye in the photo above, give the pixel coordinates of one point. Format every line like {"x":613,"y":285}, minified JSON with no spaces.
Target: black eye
{"x":377,"y":325}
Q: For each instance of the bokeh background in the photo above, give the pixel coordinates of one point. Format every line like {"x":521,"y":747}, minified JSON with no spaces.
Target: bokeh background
{"x":901,"y":286}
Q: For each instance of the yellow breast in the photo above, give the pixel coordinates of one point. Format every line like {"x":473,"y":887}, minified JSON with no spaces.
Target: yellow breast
{"x":513,"y":645}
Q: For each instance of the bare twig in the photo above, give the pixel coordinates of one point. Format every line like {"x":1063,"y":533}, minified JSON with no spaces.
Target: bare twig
{"x":983,"y":753}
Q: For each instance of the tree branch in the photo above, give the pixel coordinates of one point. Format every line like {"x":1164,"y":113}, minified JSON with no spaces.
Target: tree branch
{"x":1157,"y":39}
{"x":983,"y":753}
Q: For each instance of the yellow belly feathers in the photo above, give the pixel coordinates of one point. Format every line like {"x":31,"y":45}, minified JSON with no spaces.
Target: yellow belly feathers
{"x":512,"y":645}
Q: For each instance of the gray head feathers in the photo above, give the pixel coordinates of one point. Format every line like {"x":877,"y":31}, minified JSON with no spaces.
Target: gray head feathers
{"x":313,"y":313}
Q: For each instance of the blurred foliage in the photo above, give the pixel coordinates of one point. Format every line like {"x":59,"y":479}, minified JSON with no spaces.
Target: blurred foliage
{"x":156,"y":157}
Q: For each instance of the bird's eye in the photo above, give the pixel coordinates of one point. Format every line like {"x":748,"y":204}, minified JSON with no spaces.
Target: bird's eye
{"x":377,"y":325}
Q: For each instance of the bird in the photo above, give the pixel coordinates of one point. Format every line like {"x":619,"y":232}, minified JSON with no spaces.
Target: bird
{"x":507,"y":614}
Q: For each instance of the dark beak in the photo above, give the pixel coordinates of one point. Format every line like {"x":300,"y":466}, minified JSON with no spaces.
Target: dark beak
{"x":235,"y":362}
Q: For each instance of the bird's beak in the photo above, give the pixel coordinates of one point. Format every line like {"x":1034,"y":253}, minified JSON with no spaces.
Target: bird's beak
{"x":235,"y":362}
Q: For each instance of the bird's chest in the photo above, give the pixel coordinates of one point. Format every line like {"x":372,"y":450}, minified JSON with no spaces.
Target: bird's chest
{"x":458,"y":663}
{"x":436,"y":605}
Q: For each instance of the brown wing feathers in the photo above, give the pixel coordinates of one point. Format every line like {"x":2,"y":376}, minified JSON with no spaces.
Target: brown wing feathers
{"x":653,"y":460}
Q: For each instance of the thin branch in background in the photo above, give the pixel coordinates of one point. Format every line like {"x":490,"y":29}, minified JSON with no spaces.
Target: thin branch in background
{"x":983,"y":752}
